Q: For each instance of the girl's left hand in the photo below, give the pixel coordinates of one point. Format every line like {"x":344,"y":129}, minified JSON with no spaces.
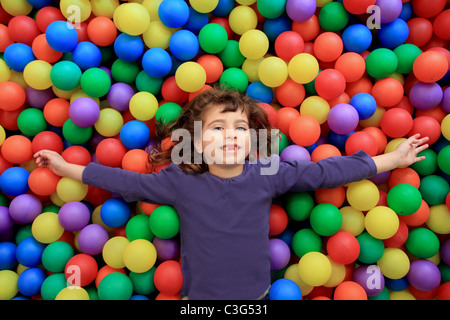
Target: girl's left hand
{"x":407,"y":151}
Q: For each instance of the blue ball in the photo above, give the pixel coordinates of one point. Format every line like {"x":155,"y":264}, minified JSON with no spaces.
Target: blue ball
{"x":274,"y":27}
{"x":61,"y":36}
{"x":173,"y":13}
{"x":14,"y":181}
{"x":157,"y":62}
{"x":196,"y":21}
{"x":115,"y":212}
{"x":29,"y":252}
{"x":7,"y":255}
{"x":134,"y":134}
{"x":357,"y":38}
{"x":396,"y":284}
{"x":39,"y":4}
{"x":18,"y":55}
{"x":338,"y":140}
{"x":393,"y":34}
{"x":285,"y":289}
{"x":223,"y":8}
{"x":365,"y":104}
{"x":184,"y":45}
{"x":128,"y":48}
{"x":260,"y":92}
{"x":87,"y":55}
{"x":30,"y":281}
{"x":407,"y":11}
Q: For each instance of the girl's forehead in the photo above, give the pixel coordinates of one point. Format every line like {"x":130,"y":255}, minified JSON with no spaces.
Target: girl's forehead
{"x":217,"y":111}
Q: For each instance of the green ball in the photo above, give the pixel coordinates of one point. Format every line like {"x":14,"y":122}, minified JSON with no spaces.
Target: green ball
{"x":371,"y":249}
{"x":56,"y":255}
{"x":115,"y":286}
{"x":406,"y":54}
{"x":231,"y":56}
{"x":138,"y":228}
{"x":234,"y":78}
{"x":51,"y":208}
{"x":325,"y":219}
{"x":213,"y":38}
{"x":31,"y":121}
{"x":75,"y":134}
{"x":164,"y":222}
{"x":65,"y":75}
{"x":143,"y":282}
{"x":445,"y":272}
{"x":168,"y":113}
{"x":383,"y":295}
{"x":146,"y":83}
{"x":95,"y":82}
{"x":306,"y":240}
{"x":333,"y":16}
{"x":381,"y":63}
{"x":427,"y":166}
{"x":443,"y":159}
{"x":4,"y":201}
{"x":422,"y":243}
{"x":434,"y":189}
{"x":52,"y":285}
{"x":123,"y":71}
{"x":404,"y":199}
{"x":299,"y":205}
{"x":271,"y":9}
{"x":283,"y":142}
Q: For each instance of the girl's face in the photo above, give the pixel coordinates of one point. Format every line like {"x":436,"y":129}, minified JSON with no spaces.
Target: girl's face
{"x":225,"y":137}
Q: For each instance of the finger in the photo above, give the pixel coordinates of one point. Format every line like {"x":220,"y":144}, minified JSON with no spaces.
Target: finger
{"x":421,"y":148}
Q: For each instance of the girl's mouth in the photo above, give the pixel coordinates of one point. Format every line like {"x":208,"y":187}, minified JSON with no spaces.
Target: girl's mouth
{"x":230,"y":148}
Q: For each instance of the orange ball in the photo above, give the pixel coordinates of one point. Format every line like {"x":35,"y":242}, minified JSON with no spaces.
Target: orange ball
{"x":330,"y":84}
{"x":102,"y":31}
{"x":148,"y":208}
{"x":328,"y":46}
{"x":42,"y":181}
{"x":56,"y":111}
{"x":304,"y":130}
{"x":352,"y":66}
{"x":5,"y":38}
{"x":404,"y":175}
{"x":12,"y":96}
{"x":361,"y":141}
{"x":290,"y":93}
{"x":213,"y":67}
{"x":308,"y":29}
{"x":388,"y":92}
{"x":350,"y":290}
{"x":324,"y":151}
{"x":430,"y":66}
{"x":427,"y":127}
{"x":135,"y":160}
{"x":17,"y":149}
{"x":43,"y":51}
{"x":335,"y":196}
{"x":284,"y":118}
{"x":361,"y":85}
{"x":419,"y":217}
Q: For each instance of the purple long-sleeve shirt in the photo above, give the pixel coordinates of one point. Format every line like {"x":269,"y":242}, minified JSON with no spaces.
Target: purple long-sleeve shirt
{"x":224,"y":222}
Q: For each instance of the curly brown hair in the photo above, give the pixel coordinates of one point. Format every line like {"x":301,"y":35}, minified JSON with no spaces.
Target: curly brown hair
{"x":230,"y":100}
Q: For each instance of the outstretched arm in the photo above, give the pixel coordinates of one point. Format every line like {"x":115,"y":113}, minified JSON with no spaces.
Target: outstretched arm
{"x":55,"y":162}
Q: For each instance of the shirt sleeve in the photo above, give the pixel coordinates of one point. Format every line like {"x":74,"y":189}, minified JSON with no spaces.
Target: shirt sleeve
{"x":331,"y":172}
{"x":133,"y":186}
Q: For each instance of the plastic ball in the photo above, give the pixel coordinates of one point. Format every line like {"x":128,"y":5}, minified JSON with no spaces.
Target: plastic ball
{"x":42,"y":181}
{"x":324,"y":151}
{"x":29,"y":252}
{"x":12,"y":96}
{"x":422,"y":243}
{"x":242,"y":19}
{"x":440,"y":25}
{"x":424,"y":275}
{"x":299,"y":10}
{"x":212,"y":66}
{"x":115,"y":286}
{"x":303,"y":68}
{"x":168,"y":277}
{"x":109,"y":123}
{"x":381,"y":222}
{"x":37,"y":74}
{"x":430,"y":66}
{"x":115,"y":212}
{"x":6,"y":221}
{"x":357,"y":38}
{"x":173,"y":13}
{"x":87,"y":55}
{"x":330,"y":84}
{"x":351,"y":65}
{"x":167,"y":249}
{"x":18,"y":55}
{"x":284,"y":289}
{"x":113,"y":251}
{"x":234,"y":78}
{"x":95,"y":82}
{"x":213,"y":38}
{"x":370,"y":278}
{"x":304,"y":130}
{"x":438,"y":220}
{"x":65,"y":75}
{"x":61,"y":36}
{"x":394,"y":263}
{"x":343,"y":118}
{"x":299,"y":206}
{"x":278,"y":220}
{"x":253,"y":44}
{"x":343,"y":247}
{"x":56,"y":255}
{"x":295,"y":152}
{"x":138,"y":228}
{"x":394,"y":33}
{"x":156,"y":62}
{"x":313,"y":106}
{"x":406,"y":55}
{"x":131,"y":18}
{"x":46,"y":228}
{"x":8,"y":258}
{"x":443,"y":159}
{"x":388,"y":92}
{"x":184,"y":45}
{"x":25,"y":208}
{"x":190,"y":76}
{"x":396,"y":122}
{"x":425,"y":96}
{"x":350,"y":290}
{"x":314,"y":268}
{"x":371,"y":249}
{"x":268,"y":76}
{"x":279,"y":254}
{"x":164,"y":222}
{"x":102,"y":31}
{"x":8,"y":281}
{"x":325,"y":219}
{"x":84,"y":112}
{"x":74,"y":216}
{"x":30,"y":281}
{"x":288,"y":44}
{"x":71,"y":190}
{"x":31,"y":121}
{"x":72,"y":293}
{"x":139,"y":256}
{"x":404,"y":199}
{"x":381,"y":63}
{"x":14,"y":181}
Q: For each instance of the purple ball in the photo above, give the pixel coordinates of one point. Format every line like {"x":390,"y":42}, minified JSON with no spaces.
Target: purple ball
{"x":92,"y":238}
{"x":280,"y":254}
{"x":84,"y":112}
{"x":294,"y":152}
{"x":445,"y":252}
{"x":300,"y":10}
{"x":119,"y":96}
{"x":370,"y":278}
{"x":389,"y":9}
{"x":38,"y":98}
{"x":6,"y":222}
{"x":166,"y":249}
{"x":446,"y":100}
{"x":424,"y":275}
{"x":425,"y":96}
{"x":381,"y":178}
{"x":74,"y":216}
{"x":343,"y":118}
{"x":25,"y":208}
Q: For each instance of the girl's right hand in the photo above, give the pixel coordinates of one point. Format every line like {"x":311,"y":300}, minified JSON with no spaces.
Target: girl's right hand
{"x":51,"y":160}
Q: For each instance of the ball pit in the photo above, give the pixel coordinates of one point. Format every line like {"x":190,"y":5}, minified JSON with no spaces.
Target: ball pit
{"x":331,"y":77}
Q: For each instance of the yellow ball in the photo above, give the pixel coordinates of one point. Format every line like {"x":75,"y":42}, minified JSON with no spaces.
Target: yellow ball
{"x":190,"y":76}
{"x":152,"y":7}
{"x":253,"y":44}
{"x":445,"y":127}
{"x":338,"y":273}
{"x":2,"y":135}
{"x":321,"y":3}
{"x":250,"y":67}
{"x":104,"y":8}
{"x":5,"y":71}
{"x":139,"y":255}
{"x":381,"y":222}
{"x":273,"y":71}
{"x":316,"y":107}
{"x":76,"y":10}
{"x":401,"y":295}
{"x":204,"y":6}
{"x":363,"y":195}
{"x":157,"y":35}
{"x":246,"y":2}
{"x":109,"y":122}
{"x":113,"y":251}
{"x":143,"y":105}
{"x":8,"y":284}
{"x":439,"y":220}
{"x":291,"y":273}
{"x":352,"y":220}
{"x":71,"y":190}
{"x":375,"y":119}
{"x":393,"y":144}
{"x":37,"y":74}
{"x":132,"y":18}
{"x":72,"y":293}
{"x":303,"y":68}
{"x":314,"y":268}
{"x":242,"y":19}
{"x":16,"y":7}
{"x":394,"y":263}
{"x":46,"y":228}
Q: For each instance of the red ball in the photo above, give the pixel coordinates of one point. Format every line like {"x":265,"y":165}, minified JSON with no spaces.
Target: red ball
{"x":396,"y":122}
{"x":349,"y":290}
{"x":328,"y":46}
{"x":43,"y":51}
{"x":213,"y":67}
{"x":427,"y":127}
{"x":47,"y":140}
{"x":42,"y":181}
{"x":304,"y":130}
{"x":447,"y":201}
{"x":47,"y":15}
{"x":399,"y":238}
{"x":343,"y":247}
{"x":330,"y":84}
{"x":441,"y":25}
{"x":110,"y":152}
{"x":136,"y":160}
{"x":278,"y":220}
{"x":444,"y":291}
{"x":270,"y":112}
{"x":290,"y":93}
{"x":288,"y":44}
{"x":388,"y":92}
{"x":430,"y":66}
{"x":352,"y":66}
{"x":284,"y":118}
{"x":77,"y":155}
{"x":12,"y":96}
{"x":324,"y":151}
{"x":335,"y":196}
{"x":23,"y":29}
{"x":17,"y":149}
{"x":81,"y":270}
{"x":171,"y":92}
{"x":102,"y":31}
{"x":56,"y":111}
{"x":379,"y":136}
{"x":420,"y":31}
{"x":104,"y":271}
{"x":358,"y":6}
{"x":428,"y":8}
{"x":361,"y":141}
{"x":168,"y":277}
{"x":404,"y":175}
{"x":308,"y":29}
{"x":5,"y":38}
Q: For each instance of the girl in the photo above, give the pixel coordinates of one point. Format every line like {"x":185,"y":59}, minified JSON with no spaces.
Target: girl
{"x":224,"y":205}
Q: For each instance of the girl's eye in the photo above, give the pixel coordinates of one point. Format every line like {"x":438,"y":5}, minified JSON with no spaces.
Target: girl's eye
{"x":241,"y":128}
{"x":217,"y":128}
